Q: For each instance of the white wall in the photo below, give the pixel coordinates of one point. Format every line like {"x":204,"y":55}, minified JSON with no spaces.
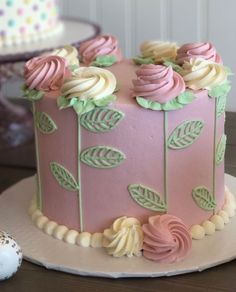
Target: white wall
{"x":134,"y":21}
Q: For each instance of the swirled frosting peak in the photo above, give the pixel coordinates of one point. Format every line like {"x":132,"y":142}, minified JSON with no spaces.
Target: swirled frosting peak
{"x":46,"y":73}
{"x":70,"y":53}
{"x":103,"y":45}
{"x":166,"y":239}
{"x":89,"y":83}
{"x":158,"y":50}
{"x":158,"y":83}
{"x":202,"y":74}
{"x":125,"y":237}
{"x":204,"y":51}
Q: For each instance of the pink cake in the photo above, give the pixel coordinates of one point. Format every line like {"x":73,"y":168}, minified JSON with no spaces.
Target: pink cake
{"x":130,"y":153}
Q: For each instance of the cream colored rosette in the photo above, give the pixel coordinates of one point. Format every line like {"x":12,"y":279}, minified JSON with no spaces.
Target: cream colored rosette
{"x":125,"y":237}
{"x":91,"y":83}
{"x":202,"y":74}
{"x":70,"y":53}
{"x":158,"y":50}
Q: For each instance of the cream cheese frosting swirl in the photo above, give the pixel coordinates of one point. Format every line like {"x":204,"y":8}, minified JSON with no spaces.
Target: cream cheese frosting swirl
{"x":46,"y":73}
{"x":197,"y":50}
{"x":202,"y":74}
{"x":125,"y":237}
{"x":70,"y":53}
{"x":158,"y":83}
{"x":158,"y":50}
{"x":89,"y":83}
{"x":100,"y":46}
{"x":166,"y":239}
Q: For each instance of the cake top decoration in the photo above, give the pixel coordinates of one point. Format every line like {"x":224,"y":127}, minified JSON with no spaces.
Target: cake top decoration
{"x":102,"y":51}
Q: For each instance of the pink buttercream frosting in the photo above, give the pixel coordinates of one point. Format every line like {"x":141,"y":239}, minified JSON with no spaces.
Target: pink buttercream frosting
{"x":46,"y":73}
{"x":100,"y":46}
{"x":197,"y":50}
{"x":158,"y":83}
{"x":166,"y":239}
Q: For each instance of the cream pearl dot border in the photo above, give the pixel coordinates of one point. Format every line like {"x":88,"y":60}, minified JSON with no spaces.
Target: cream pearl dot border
{"x":61,"y":232}
{"x":217,"y":221}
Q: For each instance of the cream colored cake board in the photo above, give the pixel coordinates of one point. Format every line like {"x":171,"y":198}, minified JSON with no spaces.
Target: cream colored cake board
{"x":44,"y":250}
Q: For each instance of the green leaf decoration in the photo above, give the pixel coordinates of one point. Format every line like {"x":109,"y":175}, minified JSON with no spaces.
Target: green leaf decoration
{"x":185,"y":134}
{"x":104,"y":61}
{"x":101,"y":120}
{"x":105,"y":100}
{"x":220,"y":105}
{"x":168,"y":62}
{"x":64,"y":177}
{"x":172,"y":105}
{"x":220,"y":90}
{"x":140,"y":60}
{"x":32,"y":94}
{"x":203,"y":198}
{"x":148,"y":104}
{"x":102,"y":157}
{"x":146,"y":197}
{"x":45,"y":123}
{"x":220,"y":149}
{"x":83,"y":106}
{"x":185,"y":97}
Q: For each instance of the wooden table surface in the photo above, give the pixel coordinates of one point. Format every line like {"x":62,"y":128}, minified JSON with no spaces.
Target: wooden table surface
{"x":19,"y":163}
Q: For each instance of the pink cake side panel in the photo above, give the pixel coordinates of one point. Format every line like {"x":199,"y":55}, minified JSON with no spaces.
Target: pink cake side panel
{"x":192,"y":166}
{"x":58,"y":204}
{"x":105,"y":193}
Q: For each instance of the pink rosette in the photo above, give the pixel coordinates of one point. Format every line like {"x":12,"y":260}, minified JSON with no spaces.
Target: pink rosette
{"x":158,"y":83}
{"x":100,"y":46}
{"x":46,"y":73}
{"x":205,"y":51}
{"x":166,"y":239}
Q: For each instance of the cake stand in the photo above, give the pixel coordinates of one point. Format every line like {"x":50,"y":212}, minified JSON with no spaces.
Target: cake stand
{"x":16,"y":121}
{"x":51,"y":253}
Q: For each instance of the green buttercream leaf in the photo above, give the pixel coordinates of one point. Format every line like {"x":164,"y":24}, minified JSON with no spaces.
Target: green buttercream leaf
{"x":104,"y":61}
{"x":185,"y":97}
{"x":63,"y":102}
{"x":147,"y":198}
{"x":203,"y":198}
{"x":33,"y":94}
{"x":45,"y":123}
{"x":148,"y":104}
{"x":220,"y":150}
{"x":171,"y":105}
{"x":220,"y":105}
{"x":73,"y":67}
{"x":101,"y":119}
{"x":140,"y":60}
{"x":102,"y":157}
{"x":64,"y":177}
{"x":185,"y":134}
{"x":228,"y":70}
{"x":105,"y":100}
{"x":220,"y":90}
{"x":168,"y":62}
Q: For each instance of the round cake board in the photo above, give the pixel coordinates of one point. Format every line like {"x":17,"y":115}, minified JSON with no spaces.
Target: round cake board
{"x":51,"y":253}
{"x":72,"y":32}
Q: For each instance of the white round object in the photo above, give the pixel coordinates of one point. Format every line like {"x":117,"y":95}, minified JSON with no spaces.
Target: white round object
{"x":10,"y":256}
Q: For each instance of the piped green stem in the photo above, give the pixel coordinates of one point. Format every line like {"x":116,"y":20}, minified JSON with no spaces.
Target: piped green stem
{"x":79,"y":178}
{"x":165,"y":158}
{"x":214,"y":151}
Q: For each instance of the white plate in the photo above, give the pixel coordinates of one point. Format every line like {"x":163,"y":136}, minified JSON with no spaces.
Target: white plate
{"x":44,"y":250}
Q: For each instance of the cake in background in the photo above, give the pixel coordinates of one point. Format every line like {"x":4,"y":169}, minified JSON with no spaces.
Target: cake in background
{"x":130,"y":153}
{"x":28,"y":21}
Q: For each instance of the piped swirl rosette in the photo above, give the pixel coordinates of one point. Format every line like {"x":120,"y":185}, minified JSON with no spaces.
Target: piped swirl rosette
{"x":104,"y":45}
{"x":166,"y":239}
{"x":158,"y":51}
{"x":70,"y":53}
{"x":158,"y":83}
{"x":202,"y":74}
{"x":204,"y":51}
{"x":89,"y":83}
{"x":46,"y":73}
{"x":125,"y":237}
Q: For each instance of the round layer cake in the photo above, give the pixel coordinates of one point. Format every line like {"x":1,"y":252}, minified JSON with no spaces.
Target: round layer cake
{"x":25,"y":21}
{"x":130,"y":153}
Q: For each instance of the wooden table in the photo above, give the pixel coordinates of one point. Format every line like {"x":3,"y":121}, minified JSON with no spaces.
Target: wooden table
{"x":18,"y":163}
